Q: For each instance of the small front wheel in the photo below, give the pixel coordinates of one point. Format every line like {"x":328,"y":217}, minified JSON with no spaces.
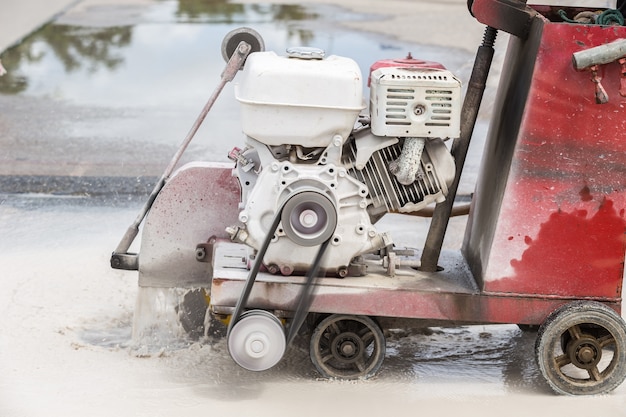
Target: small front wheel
{"x":347,"y":347}
{"x":257,"y":340}
{"x":581,"y":349}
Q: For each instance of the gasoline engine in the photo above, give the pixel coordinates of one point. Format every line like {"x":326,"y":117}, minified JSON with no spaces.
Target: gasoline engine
{"x":313,"y":156}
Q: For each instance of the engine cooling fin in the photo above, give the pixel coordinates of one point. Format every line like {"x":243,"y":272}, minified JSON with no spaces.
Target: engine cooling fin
{"x":385,"y":191}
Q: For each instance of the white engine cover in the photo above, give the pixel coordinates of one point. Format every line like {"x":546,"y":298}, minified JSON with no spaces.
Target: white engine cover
{"x":292,"y":101}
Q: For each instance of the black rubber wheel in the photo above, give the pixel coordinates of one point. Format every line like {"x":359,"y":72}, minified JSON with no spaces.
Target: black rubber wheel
{"x":581,"y":349}
{"x":347,"y":347}
{"x":232,"y":39}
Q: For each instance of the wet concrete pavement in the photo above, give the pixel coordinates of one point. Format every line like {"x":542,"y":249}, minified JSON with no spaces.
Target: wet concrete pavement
{"x":20,"y":18}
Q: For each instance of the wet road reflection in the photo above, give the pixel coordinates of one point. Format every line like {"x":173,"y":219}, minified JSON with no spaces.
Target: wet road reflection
{"x":496,"y":355}
{"x":173,"y":47}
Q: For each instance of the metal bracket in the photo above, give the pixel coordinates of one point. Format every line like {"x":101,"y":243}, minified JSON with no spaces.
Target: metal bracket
{"x":511,"y":16}
{"x":204,"y":251}
{"x":601,"y":96}
{"x":591,"y":59}
{"x":125,"y":261}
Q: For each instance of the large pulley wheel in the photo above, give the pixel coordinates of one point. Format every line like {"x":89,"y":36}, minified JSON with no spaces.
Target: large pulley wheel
{"x":581,"y":349}
{"x":309,"y":218}
{"x":257,"y":341}
{"x":347,"y":347}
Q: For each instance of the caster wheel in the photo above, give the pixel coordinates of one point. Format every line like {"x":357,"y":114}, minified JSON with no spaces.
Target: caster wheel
{"x":347,"y":347}
{"x":581,"y":349}
{"x":257,"y":341}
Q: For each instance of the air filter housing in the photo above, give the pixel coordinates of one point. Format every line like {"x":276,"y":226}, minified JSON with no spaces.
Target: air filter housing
{"x":415,"y":102}
{"x":299,"y":101}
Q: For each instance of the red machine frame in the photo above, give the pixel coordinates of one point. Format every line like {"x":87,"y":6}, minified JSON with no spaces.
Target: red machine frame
{"x":545,"y":240}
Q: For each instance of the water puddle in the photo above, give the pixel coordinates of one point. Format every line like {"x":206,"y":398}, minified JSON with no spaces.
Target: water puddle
{"x":491,"y":356}
{"x":155,"y":328}
{"x":172,"y":49}
{"x":117,"y":335}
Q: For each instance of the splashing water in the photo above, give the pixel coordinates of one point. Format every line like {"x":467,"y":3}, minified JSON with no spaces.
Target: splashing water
{"x":156,"y":325}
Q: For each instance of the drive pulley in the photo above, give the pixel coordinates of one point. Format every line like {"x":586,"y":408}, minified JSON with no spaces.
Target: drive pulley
{"x":256,"y":338}
{"x":309,"y":218}
{"x":258,"y":341}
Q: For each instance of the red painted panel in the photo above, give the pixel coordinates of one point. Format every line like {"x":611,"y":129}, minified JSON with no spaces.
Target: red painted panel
{"x":561,"y":227}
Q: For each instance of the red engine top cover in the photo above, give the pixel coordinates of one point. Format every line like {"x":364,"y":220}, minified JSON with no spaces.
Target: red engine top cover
{"x":408,"y":62}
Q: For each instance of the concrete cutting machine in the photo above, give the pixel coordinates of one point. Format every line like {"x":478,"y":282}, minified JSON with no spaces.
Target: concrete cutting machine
{"x":287,"y":234}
